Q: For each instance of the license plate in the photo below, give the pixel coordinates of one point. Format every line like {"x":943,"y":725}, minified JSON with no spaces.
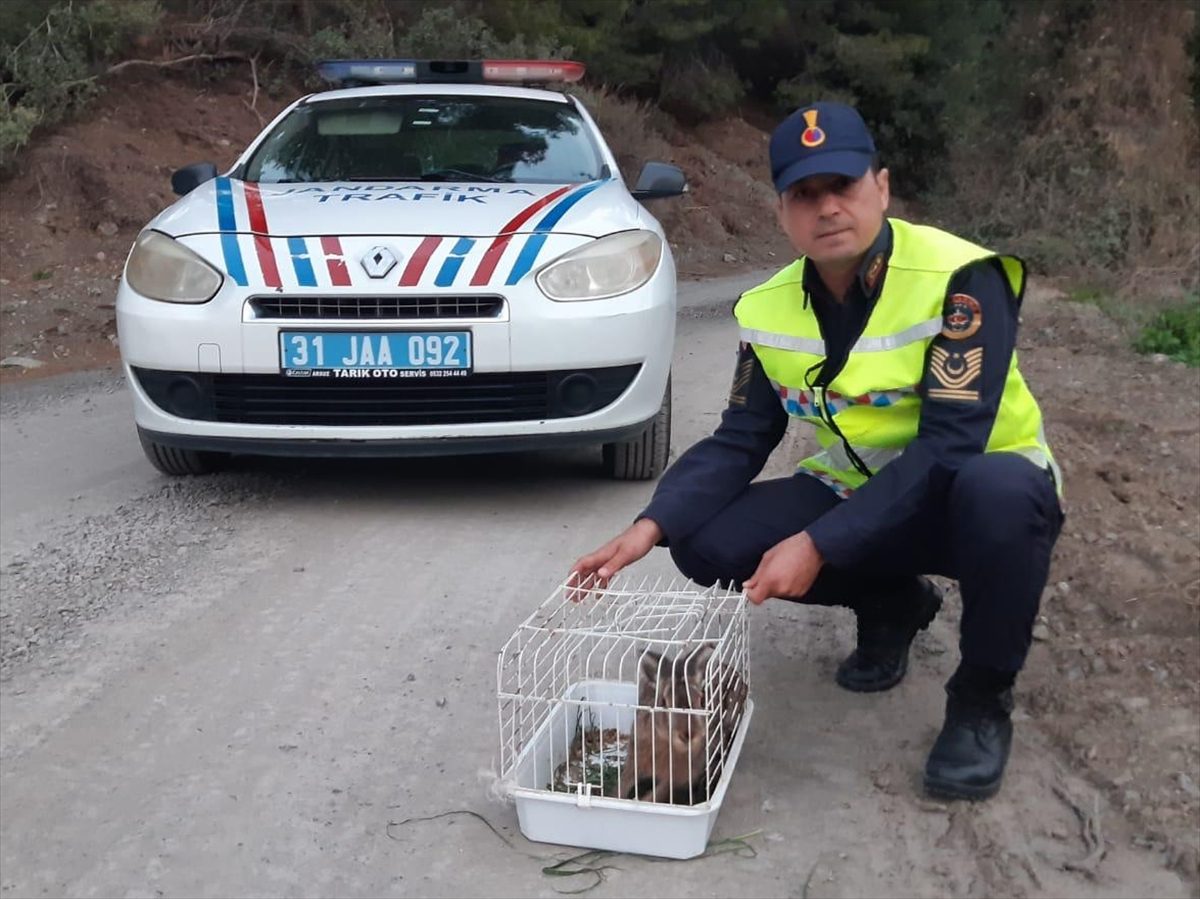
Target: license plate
{"x":448,"y":352}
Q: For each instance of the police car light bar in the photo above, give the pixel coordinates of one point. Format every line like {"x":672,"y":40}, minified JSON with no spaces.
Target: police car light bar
{"x":367,"y":71}
{"x":532,"y":70}
{"x":358,"y":72}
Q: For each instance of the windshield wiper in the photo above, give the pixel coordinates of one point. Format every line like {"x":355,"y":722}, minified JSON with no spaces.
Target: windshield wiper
{"x":378,"y":178}
{"x":459,"y":175}
{"x":440,"y":175}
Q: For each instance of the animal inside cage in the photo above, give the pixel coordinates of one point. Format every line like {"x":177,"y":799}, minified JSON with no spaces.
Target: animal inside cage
{"x":622,"y":713}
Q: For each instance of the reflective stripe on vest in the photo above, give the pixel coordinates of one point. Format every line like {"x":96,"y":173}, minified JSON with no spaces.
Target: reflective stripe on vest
{"x":835,"y":456}
{"x":919,"y":331}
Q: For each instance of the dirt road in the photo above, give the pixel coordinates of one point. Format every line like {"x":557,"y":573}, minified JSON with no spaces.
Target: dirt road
{"x":230,"y":686}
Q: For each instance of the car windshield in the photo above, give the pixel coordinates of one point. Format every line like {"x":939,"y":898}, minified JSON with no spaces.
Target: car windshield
{"x":433,"y":138}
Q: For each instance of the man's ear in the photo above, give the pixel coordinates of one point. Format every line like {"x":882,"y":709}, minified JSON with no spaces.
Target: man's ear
{"x":885,"y":191}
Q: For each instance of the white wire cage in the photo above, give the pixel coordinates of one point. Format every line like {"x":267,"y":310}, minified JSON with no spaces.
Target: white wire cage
{"x":631,"y":700}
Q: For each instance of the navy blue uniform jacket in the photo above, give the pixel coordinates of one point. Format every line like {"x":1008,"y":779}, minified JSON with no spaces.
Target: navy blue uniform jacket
{"x":712,"y":472}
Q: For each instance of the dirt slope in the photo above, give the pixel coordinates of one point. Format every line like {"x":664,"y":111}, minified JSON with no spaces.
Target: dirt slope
{"x":81,"y":194}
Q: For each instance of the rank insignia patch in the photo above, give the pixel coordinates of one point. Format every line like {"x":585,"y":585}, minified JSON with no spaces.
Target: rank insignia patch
{"x":955,"y":372}
{"x":962,"y":317}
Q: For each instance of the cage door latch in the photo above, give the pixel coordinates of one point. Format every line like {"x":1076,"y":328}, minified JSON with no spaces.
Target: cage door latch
{"x":583,"y":795}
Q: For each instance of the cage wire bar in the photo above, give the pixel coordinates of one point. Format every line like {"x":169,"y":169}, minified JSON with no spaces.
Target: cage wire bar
{"x":631,"y":692}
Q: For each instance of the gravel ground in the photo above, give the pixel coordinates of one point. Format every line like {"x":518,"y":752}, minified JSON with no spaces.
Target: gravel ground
{"x":132,"y":556}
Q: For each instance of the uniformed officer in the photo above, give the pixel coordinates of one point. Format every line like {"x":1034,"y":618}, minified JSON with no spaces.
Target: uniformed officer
{"x":896,"y":343}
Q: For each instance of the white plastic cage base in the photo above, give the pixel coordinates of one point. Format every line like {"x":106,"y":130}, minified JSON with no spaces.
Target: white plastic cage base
{"x":597,"y":822}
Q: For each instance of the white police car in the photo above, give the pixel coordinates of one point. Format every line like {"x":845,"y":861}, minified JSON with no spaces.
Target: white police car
{"x":427,"y":260}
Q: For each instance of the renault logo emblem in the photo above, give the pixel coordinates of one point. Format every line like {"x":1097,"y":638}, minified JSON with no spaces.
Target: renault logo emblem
{"x":378,"y":261}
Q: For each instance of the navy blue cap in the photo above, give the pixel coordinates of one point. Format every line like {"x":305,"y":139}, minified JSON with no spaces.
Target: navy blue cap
{"x":821,"y":139}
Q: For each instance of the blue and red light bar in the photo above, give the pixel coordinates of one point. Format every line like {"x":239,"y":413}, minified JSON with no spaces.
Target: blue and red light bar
{"x":360,"y":72}
{"x":532,"y":70}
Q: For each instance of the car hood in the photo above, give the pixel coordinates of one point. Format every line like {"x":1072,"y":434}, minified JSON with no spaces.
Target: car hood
{"x":591,"y":209}
{"x":380,"y":237}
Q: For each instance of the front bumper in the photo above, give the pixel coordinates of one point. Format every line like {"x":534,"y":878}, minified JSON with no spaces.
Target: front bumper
{"x":407,"y":447}
{"x":384,"y":401}
{"x":225,"y":342}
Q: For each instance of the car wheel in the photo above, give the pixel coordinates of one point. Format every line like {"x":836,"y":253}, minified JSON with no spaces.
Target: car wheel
{"x":645,"y":456}
{"x":177,"y":462}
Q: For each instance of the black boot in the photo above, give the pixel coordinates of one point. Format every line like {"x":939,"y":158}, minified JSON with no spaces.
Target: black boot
{"x":968,"y":758}
{"x":885,"y":632}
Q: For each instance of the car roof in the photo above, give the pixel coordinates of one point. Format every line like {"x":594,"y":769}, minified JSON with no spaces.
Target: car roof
{"x":448,"y":90}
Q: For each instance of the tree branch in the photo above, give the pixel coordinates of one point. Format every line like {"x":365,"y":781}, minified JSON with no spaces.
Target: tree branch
{"x":253,"y":104}
{"x":159,"y":64}
{"x":164,"y":63}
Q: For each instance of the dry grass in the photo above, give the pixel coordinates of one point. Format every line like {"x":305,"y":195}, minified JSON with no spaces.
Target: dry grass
{"x":725,"y":218}
{"x":635,"y":129}
{"x":1103,"y":186}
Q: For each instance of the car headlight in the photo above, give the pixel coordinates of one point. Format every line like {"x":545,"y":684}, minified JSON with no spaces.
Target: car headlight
{"x":606,"y":267}
{"x":162,"y":268}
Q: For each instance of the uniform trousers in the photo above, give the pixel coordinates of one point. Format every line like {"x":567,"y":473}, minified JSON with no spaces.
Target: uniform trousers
{"x":992,"y":529}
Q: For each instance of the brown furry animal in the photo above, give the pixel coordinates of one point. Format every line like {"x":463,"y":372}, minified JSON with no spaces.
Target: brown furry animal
{"x":668,"y":758}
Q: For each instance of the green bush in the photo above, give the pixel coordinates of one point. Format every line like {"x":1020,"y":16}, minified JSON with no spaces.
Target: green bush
{"x":1174,"y":333}
{"x":442,"y":32}
{"x":16,"y":126}
{"x":696,"y":91}
{"x":356,"y":39}
{"x":437,"y":33}
{"x":51,"y":71}
{"x":108,"y":28}
{"x":18,"y":18}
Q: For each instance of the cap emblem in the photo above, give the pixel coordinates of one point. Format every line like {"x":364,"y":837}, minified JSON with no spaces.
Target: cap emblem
{"x":812,"y":136}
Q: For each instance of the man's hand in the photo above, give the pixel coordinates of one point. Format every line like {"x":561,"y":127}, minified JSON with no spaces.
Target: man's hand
{"x":786,"y":569}
{"x":595,"y":569}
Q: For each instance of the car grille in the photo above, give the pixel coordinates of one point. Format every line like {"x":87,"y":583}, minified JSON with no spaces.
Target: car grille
{"x":483,"y":397}
{"x":360,"y":307}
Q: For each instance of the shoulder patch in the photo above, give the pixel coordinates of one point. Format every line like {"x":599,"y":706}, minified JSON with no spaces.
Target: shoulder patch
{"x":962,"y":317}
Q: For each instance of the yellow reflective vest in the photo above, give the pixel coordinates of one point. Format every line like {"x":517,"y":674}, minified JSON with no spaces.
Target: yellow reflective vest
{"x":873,"y":400}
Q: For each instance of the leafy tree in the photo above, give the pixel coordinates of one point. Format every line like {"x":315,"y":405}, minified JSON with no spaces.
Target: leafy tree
{"x":50,"y":70}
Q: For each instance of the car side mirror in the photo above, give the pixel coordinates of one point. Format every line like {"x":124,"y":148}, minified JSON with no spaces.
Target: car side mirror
{"x":659,"y":179}
{"x":188,"y":178}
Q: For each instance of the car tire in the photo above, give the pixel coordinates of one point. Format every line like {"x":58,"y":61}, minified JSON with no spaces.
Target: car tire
{"x":644,"y":457}
{"x":171,"y":460}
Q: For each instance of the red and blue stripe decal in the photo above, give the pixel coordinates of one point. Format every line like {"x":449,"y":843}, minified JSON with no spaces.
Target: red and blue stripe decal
{"x":487,"y":267}
{"x":227,"y":222}
{"x":534,"y":244}
{"x":560,"y":201}
{"x":305,"y":276}
{"x":339,"y":275}
{"x":262,"y":235}
{"x":454,"y":261}
{"x":416,"y":265}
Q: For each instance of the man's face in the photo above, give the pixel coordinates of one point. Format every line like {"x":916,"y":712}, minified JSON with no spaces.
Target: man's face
{"x":833,"y":219}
